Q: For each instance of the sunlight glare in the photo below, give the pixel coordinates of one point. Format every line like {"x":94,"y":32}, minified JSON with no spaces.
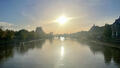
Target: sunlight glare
{"x":62,"y":38}
{"x":62,"y":51}
{"x":62,"y":20}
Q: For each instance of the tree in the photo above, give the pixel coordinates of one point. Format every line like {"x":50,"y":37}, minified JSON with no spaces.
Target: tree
{"x":22,"y":34}
{"x":107,"y":31}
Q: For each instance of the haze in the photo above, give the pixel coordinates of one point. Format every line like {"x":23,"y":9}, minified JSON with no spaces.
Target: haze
{"x":29,"y":14}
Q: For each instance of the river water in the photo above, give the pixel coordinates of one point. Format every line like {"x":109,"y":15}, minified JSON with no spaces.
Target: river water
{"x":59,"y":53}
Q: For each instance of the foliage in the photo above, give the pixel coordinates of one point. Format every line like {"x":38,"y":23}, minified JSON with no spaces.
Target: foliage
{"x":22,"y":35}
{"x":107,"y":31}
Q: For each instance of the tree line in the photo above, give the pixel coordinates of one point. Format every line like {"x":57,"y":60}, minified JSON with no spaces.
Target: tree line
{"x":103,"y":33}
{"x":22,"y":35}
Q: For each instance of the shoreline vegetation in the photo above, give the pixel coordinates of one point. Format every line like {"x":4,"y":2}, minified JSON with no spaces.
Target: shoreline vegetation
{"x":15,"y":37}
{"x":97,"y":42}
{"x":109,"y":33}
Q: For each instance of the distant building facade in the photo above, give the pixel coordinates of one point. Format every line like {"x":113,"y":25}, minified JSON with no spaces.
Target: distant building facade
{"x":96,"y":31}
{"x":116,"y":28}
{"x":39,"y":30}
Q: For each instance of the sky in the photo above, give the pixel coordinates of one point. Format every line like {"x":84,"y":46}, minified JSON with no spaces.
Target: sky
{"x":29,"y":14}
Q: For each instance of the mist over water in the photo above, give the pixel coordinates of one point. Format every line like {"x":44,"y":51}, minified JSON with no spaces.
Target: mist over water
{"x":59,"y":53}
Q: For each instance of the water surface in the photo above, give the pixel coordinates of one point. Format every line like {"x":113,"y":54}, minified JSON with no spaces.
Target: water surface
{"x":59,"y":53}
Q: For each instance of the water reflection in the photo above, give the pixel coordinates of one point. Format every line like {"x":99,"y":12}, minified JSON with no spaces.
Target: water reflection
{"x":8,"y":51}
{"x":62,"y":51}
{"x":65,"y":54}
{"x":22,"y":49}
{"x":62,"y":46}
{"x":62,"y":38}
{"x":111,"y":54}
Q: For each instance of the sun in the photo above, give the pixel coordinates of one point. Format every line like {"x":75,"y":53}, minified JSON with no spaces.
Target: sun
{"x":62,"y":20}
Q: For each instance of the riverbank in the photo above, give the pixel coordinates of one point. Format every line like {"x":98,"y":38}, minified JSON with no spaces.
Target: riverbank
{"x":18,"y":42}
{"x":99,"y":42}
{"x":105,"y":44}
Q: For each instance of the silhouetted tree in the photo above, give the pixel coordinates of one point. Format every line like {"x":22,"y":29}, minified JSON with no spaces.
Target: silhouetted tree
{"x":22,"y":34}
{"x":107,"y":31}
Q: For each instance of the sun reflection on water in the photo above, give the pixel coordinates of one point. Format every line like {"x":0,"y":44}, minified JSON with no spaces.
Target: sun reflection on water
{"x":62,"y":51}
{"x":60,"y":62}
{"x":62,"y":38}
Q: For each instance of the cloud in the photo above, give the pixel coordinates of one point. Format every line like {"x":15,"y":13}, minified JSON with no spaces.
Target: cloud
{"x":6,"y":25}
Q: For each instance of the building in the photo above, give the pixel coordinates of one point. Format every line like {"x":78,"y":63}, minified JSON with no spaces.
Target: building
{"x":116,"y":28}
{"x":39,"y":30}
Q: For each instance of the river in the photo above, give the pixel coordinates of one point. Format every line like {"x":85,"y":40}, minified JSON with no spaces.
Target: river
{"x":59,"y":53}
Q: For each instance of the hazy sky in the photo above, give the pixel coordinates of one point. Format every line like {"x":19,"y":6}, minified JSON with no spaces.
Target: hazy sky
{"x":28,"y":14}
